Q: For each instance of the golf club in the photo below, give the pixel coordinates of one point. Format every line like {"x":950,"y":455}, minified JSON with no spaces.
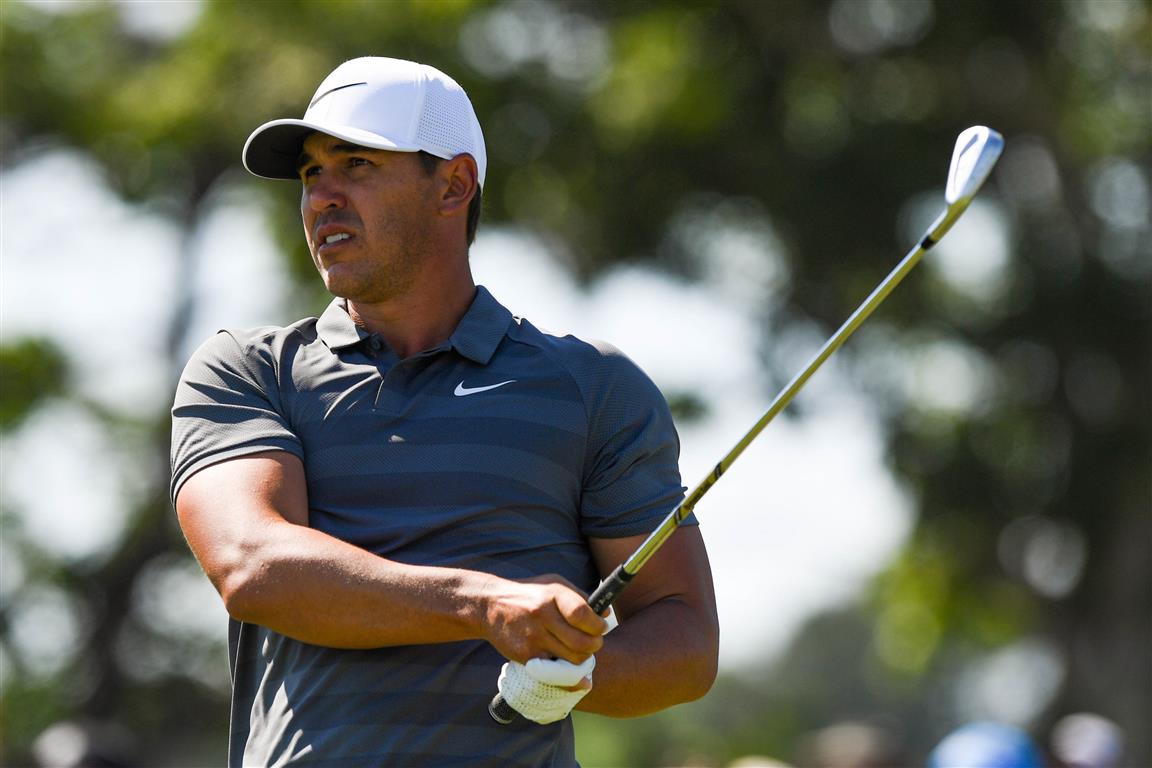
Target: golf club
{"x":976,"y":152}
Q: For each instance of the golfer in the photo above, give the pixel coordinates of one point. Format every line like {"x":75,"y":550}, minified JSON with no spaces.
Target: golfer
{"x":404,"y":501}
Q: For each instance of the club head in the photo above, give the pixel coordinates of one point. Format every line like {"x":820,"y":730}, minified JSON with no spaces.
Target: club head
{"x":977,"y":150}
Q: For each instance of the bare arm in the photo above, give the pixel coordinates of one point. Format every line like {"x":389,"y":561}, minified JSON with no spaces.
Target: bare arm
{"x":664,"y":651}
{"x":246,"y":521}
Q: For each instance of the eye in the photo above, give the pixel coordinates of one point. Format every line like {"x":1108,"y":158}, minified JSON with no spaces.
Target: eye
{"x":354,"y":161}
{"x":309,"y":171}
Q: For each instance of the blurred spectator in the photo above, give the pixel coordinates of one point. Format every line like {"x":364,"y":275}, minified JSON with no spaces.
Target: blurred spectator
{"x":850,"y":745}
{"x":985,"y":745}
{"x":1085,"y":740}
{"x":757,"y":761}
{"x":90,"y":745}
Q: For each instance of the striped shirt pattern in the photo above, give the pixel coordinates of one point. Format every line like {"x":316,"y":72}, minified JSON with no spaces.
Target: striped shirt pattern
{"x":502,"y":450}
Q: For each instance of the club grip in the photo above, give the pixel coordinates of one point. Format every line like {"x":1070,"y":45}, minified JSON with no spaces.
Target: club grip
{"x":605,"y":594}
{"x":609,"y":589}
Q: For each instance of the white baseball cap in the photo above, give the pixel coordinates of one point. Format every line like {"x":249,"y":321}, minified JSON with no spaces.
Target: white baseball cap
{"x":380,"y":103}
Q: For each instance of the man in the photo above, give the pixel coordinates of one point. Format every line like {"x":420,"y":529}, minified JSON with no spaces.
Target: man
{"x":398,"y":496}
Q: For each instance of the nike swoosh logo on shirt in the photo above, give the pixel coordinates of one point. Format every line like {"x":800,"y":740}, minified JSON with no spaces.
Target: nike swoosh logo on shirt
{"x":463,"y":391}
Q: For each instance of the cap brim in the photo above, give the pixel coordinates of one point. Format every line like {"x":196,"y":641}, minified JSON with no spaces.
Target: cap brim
{"x":273,"y":150}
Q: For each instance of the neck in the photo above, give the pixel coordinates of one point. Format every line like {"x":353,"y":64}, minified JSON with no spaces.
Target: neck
{"x":419,"y":319}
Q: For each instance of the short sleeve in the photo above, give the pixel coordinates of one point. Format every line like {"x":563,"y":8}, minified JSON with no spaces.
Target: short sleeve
{"x":228,"y":404}
{"x":632,"y":473}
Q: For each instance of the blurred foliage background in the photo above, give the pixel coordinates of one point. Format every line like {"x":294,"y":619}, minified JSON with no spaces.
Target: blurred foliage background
{"x":610,"y":126}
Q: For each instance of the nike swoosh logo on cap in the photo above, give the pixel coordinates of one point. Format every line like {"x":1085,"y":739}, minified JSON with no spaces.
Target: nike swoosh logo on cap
{"x":463,"y":391}
{"x":333,"y":90}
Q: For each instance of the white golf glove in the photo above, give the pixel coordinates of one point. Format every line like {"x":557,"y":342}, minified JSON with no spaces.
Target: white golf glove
{"x":534,"y":689}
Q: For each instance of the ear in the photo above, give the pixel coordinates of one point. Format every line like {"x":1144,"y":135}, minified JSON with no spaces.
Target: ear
{"x":459,"y":184}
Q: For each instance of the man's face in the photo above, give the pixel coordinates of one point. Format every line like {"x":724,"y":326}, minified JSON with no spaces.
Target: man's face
{"x":367,"y":215}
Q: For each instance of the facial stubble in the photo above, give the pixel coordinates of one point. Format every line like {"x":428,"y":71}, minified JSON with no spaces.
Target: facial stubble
{"x":396,"y":250}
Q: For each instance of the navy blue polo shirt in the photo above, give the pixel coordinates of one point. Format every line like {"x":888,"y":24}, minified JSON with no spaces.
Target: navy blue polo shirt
{"x":502,"y":450}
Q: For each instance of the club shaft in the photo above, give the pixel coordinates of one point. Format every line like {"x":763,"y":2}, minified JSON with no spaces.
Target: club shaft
{"x":977,"y":150}
{"x":615,"y":583}
{"x":611,"y":587}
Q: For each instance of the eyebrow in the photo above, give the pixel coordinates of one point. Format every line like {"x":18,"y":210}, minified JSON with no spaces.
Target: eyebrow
{"x":343,"y":148}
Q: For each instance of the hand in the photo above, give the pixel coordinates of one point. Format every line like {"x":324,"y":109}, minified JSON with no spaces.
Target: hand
{"x":544,"y":617}
{"x":544,"y":690}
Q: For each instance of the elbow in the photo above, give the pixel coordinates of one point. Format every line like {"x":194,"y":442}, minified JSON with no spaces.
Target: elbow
{"x":706,"y":660}
{"x":240,"y":581}
{"x":704,"y":677}
{"x":707,"y":680}
{"x":247,"y":594}
{"x":238,"y":594}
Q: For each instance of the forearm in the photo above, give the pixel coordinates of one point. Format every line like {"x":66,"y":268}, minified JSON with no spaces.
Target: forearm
{"x":246,"y":520}
{"x":320,"y":590}
{"x":662,"y":656}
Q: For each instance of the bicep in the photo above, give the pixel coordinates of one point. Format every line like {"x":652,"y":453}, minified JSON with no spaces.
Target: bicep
{"x":224,"y":509}
{"x":678,"y":571}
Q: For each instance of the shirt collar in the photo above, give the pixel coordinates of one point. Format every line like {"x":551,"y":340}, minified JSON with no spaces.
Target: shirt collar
{"x":476,"y":336}
{"x":336,"y":328}
{"x":482,"y":328}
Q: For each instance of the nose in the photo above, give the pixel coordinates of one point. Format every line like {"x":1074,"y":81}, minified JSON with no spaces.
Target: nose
{"x":324,"y":193}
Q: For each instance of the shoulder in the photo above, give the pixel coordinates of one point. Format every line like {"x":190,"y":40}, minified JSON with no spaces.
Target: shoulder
{"x":597,"y":367}
{"x":241,"y":348}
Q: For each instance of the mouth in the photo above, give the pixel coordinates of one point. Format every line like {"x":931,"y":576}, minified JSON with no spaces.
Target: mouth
{"x":328,"y":238}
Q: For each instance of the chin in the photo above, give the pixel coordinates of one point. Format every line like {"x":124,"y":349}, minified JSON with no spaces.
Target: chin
{"x":341,"y":281}
{"x":356,"y":291}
